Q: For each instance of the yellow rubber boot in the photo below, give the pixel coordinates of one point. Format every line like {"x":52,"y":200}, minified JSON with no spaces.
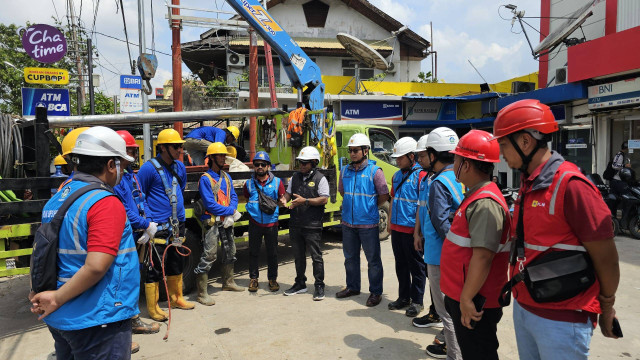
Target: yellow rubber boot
{"x":158,"y":309}
{"x":151,"y":293}
{"x":174,"y":282}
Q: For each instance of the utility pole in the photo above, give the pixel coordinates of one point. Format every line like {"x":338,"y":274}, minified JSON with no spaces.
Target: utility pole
{"x":253,"y":89}
{"x":146,"y":128}
{"x":92,"y":102}
{"x":74,"y":37}
{"x":176,"y":65}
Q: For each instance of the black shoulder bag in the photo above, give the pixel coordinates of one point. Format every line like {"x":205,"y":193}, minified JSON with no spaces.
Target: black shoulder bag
{"x":553,"y":276}
{"x":266,"y":203}
{"x":609,"y":172}
{"x":403,"y":180}
{"x":44,"y":259}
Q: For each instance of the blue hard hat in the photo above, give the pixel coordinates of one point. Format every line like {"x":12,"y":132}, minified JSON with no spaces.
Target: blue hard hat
{"x":261,"y":155}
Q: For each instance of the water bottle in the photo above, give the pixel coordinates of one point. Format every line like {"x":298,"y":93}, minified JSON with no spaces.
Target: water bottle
{"x":57,"y":174}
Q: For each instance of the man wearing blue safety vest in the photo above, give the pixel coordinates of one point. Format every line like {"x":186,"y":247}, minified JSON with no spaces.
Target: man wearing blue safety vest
{"x":363,"y":188}
{"x":220,"y":204}
{"x":410,"y":269}
{"x":263,"y":225}
{"x":163,"y":179}
{"x":98,"y":278}
{"x":198,"y":140}
{"x":436,"y":207}
{"x":129,"y":192}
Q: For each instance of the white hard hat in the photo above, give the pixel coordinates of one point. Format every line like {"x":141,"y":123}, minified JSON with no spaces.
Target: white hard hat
{"x":359,"y":139}
{"x":442,"y":139}
{"x":404,"y":146}
{"x":101,"y":141}
{"x":309,"y":153}
{"x":422,"y":143}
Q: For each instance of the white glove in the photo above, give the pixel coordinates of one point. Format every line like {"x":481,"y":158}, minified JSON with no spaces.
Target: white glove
{"x":237,"y":215}
{"x":144,"y":238}
{"x":152,"y":229}
{"x":228,"y":221}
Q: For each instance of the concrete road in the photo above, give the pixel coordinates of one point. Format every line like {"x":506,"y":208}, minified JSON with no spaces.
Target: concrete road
{"x":267,"y":325}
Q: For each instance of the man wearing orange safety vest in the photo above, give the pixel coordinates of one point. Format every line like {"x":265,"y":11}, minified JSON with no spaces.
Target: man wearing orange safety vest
{"x":475,"y":251}
{"x":220,"y":203}
{"x":559,"y":215}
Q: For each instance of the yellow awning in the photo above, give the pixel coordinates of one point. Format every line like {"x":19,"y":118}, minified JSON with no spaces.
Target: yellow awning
{"x":313,"y":43}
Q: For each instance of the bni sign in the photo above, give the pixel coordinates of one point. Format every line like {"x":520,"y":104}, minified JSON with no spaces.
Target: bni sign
{"x":130,"y":94}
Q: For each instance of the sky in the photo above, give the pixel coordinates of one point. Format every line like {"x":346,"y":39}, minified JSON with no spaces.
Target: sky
{"x":462,"y":30}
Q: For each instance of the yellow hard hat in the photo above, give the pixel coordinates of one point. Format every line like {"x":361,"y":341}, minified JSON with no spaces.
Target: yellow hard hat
{"x":231,"y":150}
{"x":69,"y":141}
{"x":169,"y":136}
{"x":59,"y":160}
{"x":217,"y":148}
{"x":234,"y":131}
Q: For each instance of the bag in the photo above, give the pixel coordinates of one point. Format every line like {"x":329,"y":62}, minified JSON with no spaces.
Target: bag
{"x":609,"y":172}
{"x":553,"y":276}
{"x":44,"y":259}
{"x":296,"y":140}
{"x":266,"y":203}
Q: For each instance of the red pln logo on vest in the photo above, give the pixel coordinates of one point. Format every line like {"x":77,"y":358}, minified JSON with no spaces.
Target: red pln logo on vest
{"x":536,"y":203}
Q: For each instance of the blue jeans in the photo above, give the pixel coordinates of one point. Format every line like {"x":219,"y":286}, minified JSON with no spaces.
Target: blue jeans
{"x":540,"y":339}
{"x":368,"y":239}
{"x":110,"y":341}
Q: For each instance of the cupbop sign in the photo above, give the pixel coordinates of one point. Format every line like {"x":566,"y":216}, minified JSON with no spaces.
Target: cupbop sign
{"x":44,"y":43}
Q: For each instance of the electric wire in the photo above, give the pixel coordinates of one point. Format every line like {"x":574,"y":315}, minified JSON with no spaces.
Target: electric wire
{"x":126,"y":36}
{"x":153,"y":32}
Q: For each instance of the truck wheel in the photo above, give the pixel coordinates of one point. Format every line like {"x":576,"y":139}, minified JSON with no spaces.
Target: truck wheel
{"x":384,"y":220}
{"x":194,"y":242}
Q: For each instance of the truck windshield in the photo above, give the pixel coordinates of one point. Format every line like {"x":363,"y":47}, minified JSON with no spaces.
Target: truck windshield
{"x":382,"y":141}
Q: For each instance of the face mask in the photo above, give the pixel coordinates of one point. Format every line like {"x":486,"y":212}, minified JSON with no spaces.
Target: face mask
{"x":458,"y":171}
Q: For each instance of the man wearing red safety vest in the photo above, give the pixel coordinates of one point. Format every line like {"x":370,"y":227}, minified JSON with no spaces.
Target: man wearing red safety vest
{"x":476,"y":250}
{"x":558,"y":211}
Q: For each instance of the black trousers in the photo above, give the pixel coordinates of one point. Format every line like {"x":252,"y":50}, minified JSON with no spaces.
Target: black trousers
{"x":301,"y":240}
{"x":270,"y":235}
{"x":480,"y":343}
{"x":410,"y":267}
{"x":174,"y":262}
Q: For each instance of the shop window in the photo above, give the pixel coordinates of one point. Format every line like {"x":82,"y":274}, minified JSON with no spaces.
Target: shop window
{"x":263,"y":75}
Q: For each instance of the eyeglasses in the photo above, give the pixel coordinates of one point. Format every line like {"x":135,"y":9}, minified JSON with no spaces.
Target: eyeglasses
{"x":260,"y":164}
{"x":354,"y":150}
{"x":177,"y":146}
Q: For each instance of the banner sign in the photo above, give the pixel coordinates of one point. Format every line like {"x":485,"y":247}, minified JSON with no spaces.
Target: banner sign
{"x":56,"y":101}
{"x":619,"y":93}
{"x":430,"y":111}
{"x":34,"y":75}
{"x":371,"y":110}
{"x":44,"y":43}
{"x":130,"y":94}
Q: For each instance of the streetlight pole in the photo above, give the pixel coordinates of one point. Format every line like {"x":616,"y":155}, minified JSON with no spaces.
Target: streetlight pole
{"x":146,"y":128}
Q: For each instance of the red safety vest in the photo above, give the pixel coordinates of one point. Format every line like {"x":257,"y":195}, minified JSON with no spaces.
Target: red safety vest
{"x":457,"y":251}
{"x":546,"y":229}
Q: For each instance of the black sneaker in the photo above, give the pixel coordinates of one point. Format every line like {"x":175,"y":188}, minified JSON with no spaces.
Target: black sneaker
{"x":318,"y":294}
{"x":414,"y":309}
{"x":296,"y":289}
{"x":399,"y":304}
{"x":437,"y":350}
{"x":429,"y":320}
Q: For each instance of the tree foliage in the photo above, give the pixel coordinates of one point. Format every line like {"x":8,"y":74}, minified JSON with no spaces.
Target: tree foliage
{"x":425,"y":78}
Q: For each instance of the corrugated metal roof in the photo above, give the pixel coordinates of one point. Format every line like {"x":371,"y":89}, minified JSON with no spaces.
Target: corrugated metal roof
{"x":314,"y":43}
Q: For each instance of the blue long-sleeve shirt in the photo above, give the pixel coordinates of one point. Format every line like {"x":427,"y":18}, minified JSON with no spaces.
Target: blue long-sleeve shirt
{"x":440,"y":203}
{"x":209,"y":200}
{"x":158,"y":202}
{"x":124,"y":190}
{"x":209,"y":133}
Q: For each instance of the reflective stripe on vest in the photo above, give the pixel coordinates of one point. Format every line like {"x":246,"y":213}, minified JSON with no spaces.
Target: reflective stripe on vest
{"x":360,"y":200}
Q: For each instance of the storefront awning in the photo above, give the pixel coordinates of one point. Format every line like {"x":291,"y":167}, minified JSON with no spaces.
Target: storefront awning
{"x":475,"y":123}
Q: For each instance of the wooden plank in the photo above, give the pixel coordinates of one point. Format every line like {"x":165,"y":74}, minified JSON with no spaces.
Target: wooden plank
{"x":19,"y":207}
{"x":14,"y":253}
{"x":19,"y":230}
{"x":10,"y":272}
{"x":31,"y":183}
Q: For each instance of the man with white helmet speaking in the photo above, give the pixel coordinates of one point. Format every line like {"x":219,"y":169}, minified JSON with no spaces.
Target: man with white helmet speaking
{"x":363,"y":188}
{"x":310,"y":192}
{"x":88,"y":311}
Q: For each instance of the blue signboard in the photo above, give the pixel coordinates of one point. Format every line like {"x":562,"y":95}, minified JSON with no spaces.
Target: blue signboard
{"x":56,"y":101}
{"x":130,"y":82}
{"x":371,"y":110}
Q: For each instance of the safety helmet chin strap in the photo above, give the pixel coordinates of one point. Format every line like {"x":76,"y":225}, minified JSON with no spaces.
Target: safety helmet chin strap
{"x":459,"y":169}
{"x":118,"y":177}
{"x":362,"y":148}
{"x":526,"y":159}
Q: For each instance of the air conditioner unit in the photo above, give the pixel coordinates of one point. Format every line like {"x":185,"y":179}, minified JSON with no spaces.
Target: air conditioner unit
{"x":414,"y":94}
{"x":561,"y":75}
{"x":391,"y":69}
{"x":522,"y":86}
{"x":234,"y":59}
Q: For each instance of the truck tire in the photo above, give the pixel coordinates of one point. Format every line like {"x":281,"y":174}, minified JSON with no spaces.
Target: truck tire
{"x":384,"y":220}
{"x":194,"y":242}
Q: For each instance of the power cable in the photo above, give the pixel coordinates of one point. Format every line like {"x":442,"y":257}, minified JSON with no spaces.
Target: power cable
{"x":55,"y":9}
{"x":126,"y":36}
{"x":153,"y":32}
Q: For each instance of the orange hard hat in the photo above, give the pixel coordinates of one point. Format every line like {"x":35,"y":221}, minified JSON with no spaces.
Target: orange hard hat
{"x":528,"y":114}
{"x":477,"y":145}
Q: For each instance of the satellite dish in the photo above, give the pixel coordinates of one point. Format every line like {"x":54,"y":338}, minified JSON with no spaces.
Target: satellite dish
{"x":567,"y":28}
{"x":364,"y":53}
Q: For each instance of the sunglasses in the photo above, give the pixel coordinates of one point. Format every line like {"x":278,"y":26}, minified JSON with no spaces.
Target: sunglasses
{"x":177,"y":146}
{"x":355,"y":151}
{"x":304,"y":162}
{"x":260,"y":164}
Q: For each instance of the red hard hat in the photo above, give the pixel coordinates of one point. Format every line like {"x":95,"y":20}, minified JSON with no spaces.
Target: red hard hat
{"x":477,"y":145}
{"x":128,"y":138}
{"x":524,"y":114}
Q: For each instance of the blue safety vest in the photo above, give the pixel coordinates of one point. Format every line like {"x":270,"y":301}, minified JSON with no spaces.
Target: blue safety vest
{"x":115,"y":296}
{"x":405,"y":199}
{"x":360,"y":200}
{"x":270,"y":189}
{"x":172,"y":193}
{"x":432,"y":240}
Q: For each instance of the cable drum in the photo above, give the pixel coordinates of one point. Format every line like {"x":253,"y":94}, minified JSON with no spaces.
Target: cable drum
{"x":10,"y":147}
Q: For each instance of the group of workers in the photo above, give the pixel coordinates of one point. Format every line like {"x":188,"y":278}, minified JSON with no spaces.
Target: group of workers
{"x":449,"y":222}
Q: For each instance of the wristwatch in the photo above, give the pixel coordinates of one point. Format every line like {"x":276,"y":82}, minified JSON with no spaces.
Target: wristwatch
{"x":306,"y":202}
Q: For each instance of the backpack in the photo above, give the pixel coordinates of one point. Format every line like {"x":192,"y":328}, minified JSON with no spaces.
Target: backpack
{"x":44,"y":259}
{"x":609,"y":172}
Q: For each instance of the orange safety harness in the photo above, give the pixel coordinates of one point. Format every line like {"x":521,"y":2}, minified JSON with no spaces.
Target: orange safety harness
{"x":296,"y":118}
